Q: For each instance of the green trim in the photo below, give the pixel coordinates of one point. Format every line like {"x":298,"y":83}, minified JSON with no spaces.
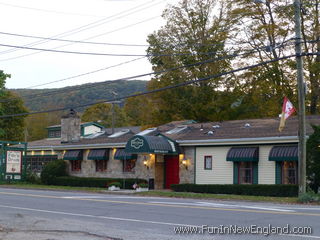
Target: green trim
{"x":92,"y":123}
{"x":255,"y":172}
{"x":82,"y":131}
{"x":243,"y":159}
{"x":278,"y":173}
{"x":235,"y":173}
{"x":282,"y":159}
{"x":242,"y":144}
{"x":38,"y":155}
{"x":53,"y":128}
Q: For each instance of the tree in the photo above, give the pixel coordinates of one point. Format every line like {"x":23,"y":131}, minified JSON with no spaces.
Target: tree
{"x":102,"y":113}
{"x":11,"y":128}
{"x":313,"y":159}
{"x":195,"y":31}
{"x":139,"y":111}
{"x":265,"y":31}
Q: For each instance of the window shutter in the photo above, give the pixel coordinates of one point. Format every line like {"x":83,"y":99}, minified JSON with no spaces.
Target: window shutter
{"x":255,"y":172}
{"x":278,"y":173}
{"x":235,"y":173}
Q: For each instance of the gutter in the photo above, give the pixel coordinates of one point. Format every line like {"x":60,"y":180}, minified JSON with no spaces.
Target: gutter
{"x":238,"y":141}
{"x":80,"y":146}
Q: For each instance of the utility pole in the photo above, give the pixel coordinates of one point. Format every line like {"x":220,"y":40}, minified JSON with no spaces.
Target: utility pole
{"x":301,"y":99}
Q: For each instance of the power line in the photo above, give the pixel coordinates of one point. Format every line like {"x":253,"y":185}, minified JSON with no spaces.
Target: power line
{"x":163,"y":88}
{"x":73,"y":41}
{"x":141,"y":75}
{"x":89,"y":26}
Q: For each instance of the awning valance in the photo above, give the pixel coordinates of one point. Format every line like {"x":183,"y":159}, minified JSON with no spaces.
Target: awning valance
{"x":284,"y":153}
{"x":243,"y":154}
{"x":98,"y":154}
{"x":120,"y":154}
{"x":73,"y":155}
{"x":151,"y":144}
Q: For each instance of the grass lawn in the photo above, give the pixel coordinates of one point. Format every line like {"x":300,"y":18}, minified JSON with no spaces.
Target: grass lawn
{"x":155,"y":193}
{"x":219,"y":196}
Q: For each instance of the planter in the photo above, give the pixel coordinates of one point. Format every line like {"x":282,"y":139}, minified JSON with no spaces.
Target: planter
{"x":113,"y":188}
{"x":142,"y":189}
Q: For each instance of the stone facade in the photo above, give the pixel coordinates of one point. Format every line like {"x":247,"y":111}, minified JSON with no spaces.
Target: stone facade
{"x":186,"y":173}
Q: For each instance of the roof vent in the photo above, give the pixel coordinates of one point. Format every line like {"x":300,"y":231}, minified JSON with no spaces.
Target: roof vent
{"x":119,"y":134}
{"x":210,"y":132}
{"x":216,"y":126}
{"x":177,"y":129}
{"x":147,"y":131}
{"x":247,"y":125}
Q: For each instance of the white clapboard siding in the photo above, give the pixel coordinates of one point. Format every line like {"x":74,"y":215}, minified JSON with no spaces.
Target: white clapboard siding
{"x":222,"y":171}
{"x":266,"y":167}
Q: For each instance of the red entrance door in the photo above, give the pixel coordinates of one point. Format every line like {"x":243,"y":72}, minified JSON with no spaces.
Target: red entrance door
{"x":171,"y":170}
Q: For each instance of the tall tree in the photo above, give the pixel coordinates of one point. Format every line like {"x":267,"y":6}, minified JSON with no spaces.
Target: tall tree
{"x":311,"y":42}
{"x":11,"y":128}
{"x":195,"y":31}
{"x":265,"y":31}
{"x":102,"y":113}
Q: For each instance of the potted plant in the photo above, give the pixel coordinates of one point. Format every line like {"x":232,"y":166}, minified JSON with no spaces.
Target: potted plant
{"x":142,"y":187}
{"x":114,"y":186}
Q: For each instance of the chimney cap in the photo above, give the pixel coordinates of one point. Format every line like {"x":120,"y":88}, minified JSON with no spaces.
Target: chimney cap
{"x":72,"y":113}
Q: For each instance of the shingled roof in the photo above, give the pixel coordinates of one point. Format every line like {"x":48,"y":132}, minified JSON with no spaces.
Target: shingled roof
{"x":235,"y":129}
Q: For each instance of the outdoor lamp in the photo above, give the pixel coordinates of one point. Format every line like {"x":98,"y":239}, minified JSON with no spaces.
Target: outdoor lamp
{"x":185,"y":162}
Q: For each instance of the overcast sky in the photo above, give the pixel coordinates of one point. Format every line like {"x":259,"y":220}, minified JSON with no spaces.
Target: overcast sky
{"x":104,"y":21}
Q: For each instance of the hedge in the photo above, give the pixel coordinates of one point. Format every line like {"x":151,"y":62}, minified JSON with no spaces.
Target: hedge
{"x":95,"y":182}
{"x":276,"y":190}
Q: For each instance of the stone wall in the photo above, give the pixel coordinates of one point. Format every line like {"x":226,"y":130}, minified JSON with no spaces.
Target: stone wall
{"x":186,"y":173}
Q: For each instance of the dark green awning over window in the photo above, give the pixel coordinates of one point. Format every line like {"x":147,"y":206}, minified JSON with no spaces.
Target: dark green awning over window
{"x":152,"y":144}
{"x":98,"y":154}
{"x":243,"y":154}
{"x":73,"y":155}
{"x":284,"y":153}
{"x":122,"y":155}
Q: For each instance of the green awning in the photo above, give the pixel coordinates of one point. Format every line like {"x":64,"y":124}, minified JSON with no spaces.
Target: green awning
{"x":122,"y":155}
{"x":243,"y":154}
{"x":284,"y":153}
{"x":151,"y":144}
{"x":73,"y":155}
{"x":98,"y":154}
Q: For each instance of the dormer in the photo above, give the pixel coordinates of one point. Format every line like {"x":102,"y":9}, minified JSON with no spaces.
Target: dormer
{"x":87,"y":129}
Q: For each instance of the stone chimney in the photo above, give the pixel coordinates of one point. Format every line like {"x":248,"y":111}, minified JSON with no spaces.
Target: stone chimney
{"x":70,"y":127}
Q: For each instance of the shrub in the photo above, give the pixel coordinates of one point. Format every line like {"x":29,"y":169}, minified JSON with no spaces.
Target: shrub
{"x":52,"y":170}
{"x":309,"y":197}
{"x":278,"y":190}
{"x":143,"y":185}
{"x":96,"y":182}
{"x":32,"y":177}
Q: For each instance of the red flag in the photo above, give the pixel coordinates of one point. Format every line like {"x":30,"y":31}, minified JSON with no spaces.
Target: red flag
{"x":287,"y":110}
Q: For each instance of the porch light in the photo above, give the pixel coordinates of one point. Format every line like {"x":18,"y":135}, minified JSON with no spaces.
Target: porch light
{"x":145,"y":162}
{"x":185,"y":163}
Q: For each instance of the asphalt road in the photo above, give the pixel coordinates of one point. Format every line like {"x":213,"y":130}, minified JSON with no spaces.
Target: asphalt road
{"x":59,"y":215}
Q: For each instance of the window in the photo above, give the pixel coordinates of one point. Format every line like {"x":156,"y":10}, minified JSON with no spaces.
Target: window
{"x":289,"y":172}
{"x":75,"y":165}
{"x":54,"y":134}
{"x":207,"y":162}
{"x":245,"y":173}
{"x":101,"y":165}
{"x":128,"y":165}
{"x":36,"y":163}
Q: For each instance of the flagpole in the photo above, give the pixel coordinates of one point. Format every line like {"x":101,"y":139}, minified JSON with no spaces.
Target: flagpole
{"x":301,"y":99}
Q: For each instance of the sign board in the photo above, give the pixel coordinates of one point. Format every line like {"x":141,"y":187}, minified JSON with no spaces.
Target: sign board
{"x":14,"y":162}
